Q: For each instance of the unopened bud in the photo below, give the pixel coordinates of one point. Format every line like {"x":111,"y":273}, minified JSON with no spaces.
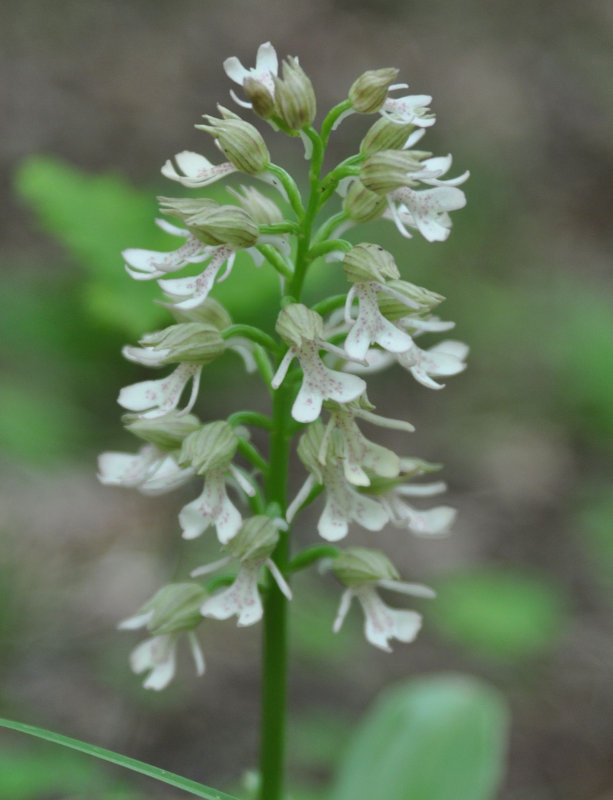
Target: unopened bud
{"x":240,"y":141}
{"x":167,"y":432}
{"x":186,"y":343}
{"x":409,"y":468}
{"x":357,"y":565}
{"x":384,"y":171}
{"x":212,"y":447}
{"x":362,"y":205}
{"x":256,"y":539}
{"x":176,"y":607}
{"x":224,"y":225}
{"x":310,"y":448}
{"x":294,"y":96}
{"x":418,"y":300}
{"x":260,"y":208}
{"x":369,"y":262}
{"x":296,"y":324}
{"x":262,"y":101}
{"x":385,"y":135}
{"x":209,"y":312}
{"x":368,"y":92}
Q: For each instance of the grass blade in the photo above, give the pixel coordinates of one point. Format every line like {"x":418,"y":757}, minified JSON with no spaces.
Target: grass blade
{"x":163,"y":775}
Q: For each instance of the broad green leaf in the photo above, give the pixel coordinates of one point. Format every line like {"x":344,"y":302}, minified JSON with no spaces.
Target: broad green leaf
{"x":499,"y":612}
{"x":434,"y":738}
{"x":163,"y":775}
{"x":96,"y":217}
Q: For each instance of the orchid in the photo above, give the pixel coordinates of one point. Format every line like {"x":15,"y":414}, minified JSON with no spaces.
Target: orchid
{"x":312,"y":361}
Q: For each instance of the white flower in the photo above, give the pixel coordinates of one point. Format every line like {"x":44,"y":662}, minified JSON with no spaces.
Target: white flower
{"x":319,"y":382}
{"x":343,"y":504}
{"x":431,"y":522}
{"x":212,"y":507}
{"x":426,"y":210}
{"x":371,"y":326}
{"x":151,"y":471}
{"x":412,"y":109}
{"x":444,"y":359}
{"x":159,"y":397}
{"x":253,"y":547}
{"x":382,"y":623}
{"x":242,"y":598}
{"x":191,"y":292}
{"x":196,"y":170}
{"x":266,"y":67}
{"x":168,"y":615}
{"x":145,"y":265}
{"x":355,"y":451}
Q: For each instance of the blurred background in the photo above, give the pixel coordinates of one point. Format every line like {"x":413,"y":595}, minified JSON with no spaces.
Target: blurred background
{"x":95,"y":96}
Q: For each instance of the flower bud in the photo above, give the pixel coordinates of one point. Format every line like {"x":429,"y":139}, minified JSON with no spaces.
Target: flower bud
{"x":209,"y":312}
{"x":185,"y":207}
{"x":357,"y":565}
{"x":393,"y":307}
{"x":369,"y":262}
{"x":212,"y":447}
{"x":409,"y":468}
{"x":224,"y":225}
{"x":240,"y":141}
{"x":361,"y":204}
{"x":385,"y":135}
{"x":384,"y":171}
{"x":310,"y":447}
{"x":262,"y":101}
{"x":368,"y":92}
{"x":256,"y":539}
{"x":176,"y":607}
{"x":296,"y":324}
{"x":167,"y":432}
{"x":186,"y":343}
{"x":294,"y":96}
{"x":261,"y":209}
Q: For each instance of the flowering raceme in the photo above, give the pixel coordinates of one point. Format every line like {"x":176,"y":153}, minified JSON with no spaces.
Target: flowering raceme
{"x":315,"y":362}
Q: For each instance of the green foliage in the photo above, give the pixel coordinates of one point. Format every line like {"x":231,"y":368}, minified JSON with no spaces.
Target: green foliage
{"x":594,"y":526}
{"x":499,"y":613}
{"x":32,"y":775}
{"x":95,"y":218}
{"x":581,"y":352}
{"x":162,"y":775}
{"x":435,"y":738}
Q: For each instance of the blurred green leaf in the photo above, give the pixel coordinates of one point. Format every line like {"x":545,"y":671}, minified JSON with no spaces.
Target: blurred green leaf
{"x":30,"y":776}
{"x":595,"y":527}
{"x":32,"y":429}
{"x":96,"y":217}
{"x":581,"y":355}
{"x":435,"y":738}
{"x":499,"y":613}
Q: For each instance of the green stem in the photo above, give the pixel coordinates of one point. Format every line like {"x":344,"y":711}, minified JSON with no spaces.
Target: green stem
{"x":274,"y":657}
{"x":331,"y":118}
{"x":289,"y":184}
{"x":312,"y":554}
{"x":250,"y":418}
{"x":275,"y":259}
{"x":253,"y":334}
{"x":328,"y":247}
